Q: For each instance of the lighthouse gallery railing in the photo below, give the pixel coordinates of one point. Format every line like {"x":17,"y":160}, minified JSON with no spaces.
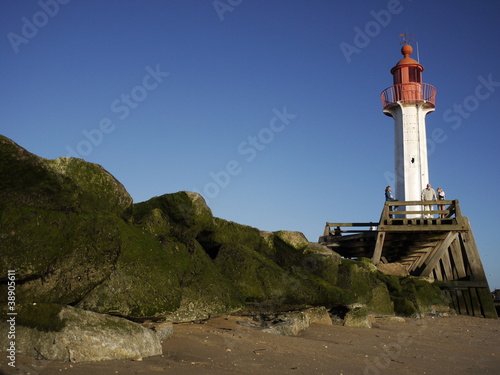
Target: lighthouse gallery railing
{"x":411,"y":93}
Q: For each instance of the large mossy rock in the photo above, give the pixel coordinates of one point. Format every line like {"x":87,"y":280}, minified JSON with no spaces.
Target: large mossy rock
{"x":156,"y":275}
{"x":365,"y":289}
{"x":185,"y":213}
{"x":274,"y":271}
{"x":64,"y":333}
{"x":58,"y":257}
{"x":413,"y":296}
{"x":73,"y":236}
{"x":64,"y":184}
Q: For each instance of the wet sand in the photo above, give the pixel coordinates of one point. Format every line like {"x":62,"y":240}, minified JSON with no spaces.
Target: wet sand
{"x":442,"y":346}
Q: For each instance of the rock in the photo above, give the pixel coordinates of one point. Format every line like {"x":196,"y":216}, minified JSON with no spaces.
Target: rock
{"x":186,"y":212}
{"x":364,"y":287}
{"x":164,"y":280}
{"x":258,"y":278}
{"x":392,"y":269}
{"x":99,"y":190}
{"x":289,"y":324}
{"x":358,"y":318}
{"x":228,"y":233}
{"x":75,"y":238}
{"x":321,"y":261}
{"x":59,"y":256}
{"x":430,"y":297}
{"x":393,"y":319}
{"x":318,"y":315}
{"x":64,"y":184}
{"x":64,"y":333}
{"x":297,"y":240}
{"x":163,"y":330}
{"x":404,"y":307}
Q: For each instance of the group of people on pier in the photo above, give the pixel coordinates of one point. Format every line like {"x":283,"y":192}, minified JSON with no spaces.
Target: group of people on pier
{"x":428,"y":194}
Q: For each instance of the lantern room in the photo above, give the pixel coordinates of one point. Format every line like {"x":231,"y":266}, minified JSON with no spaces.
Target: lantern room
{"x":408,"y":87}
{"x":407,"y":69}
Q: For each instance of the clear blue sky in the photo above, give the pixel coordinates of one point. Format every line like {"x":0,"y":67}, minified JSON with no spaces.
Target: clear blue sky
{"x":270,"y":109}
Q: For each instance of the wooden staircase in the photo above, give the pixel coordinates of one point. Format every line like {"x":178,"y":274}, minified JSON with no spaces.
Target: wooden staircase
{"x":441,"y":247}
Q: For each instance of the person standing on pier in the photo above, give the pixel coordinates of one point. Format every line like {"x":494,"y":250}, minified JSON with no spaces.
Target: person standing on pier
{"x":428,"y":194}
{"x":389,"y":197}
{"x":441,"y":197}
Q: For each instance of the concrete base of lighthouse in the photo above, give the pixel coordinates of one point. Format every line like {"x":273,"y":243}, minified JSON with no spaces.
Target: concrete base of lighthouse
{"x":410,"y":151}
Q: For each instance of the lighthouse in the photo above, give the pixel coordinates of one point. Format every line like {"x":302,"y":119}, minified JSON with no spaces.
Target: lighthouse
{"x":408,"y":101}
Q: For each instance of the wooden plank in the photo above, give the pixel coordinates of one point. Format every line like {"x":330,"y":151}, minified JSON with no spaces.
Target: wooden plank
{"x":461,"y":284}
{"x":473,"y":256}
{"x":377,"y":253}
{"x":437,"y":253}
{"x":464,"y":302}
{"x":425,"y":255}
{"x":417,"y":203}
{"x":396,"y":212}
{"x":476,"y":302}
{"x":352,"y":224}
{"x":421,"y":261}
{"x":484,"y":295}
{"x":438,"y":275}
{"x":477,"y":270}
{"x":458,"y":260}
{"x":421,"y":228}
{"x":455,"y":303}
{"x":445,"y":259}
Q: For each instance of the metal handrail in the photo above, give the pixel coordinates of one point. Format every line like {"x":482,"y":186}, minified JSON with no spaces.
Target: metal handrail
{"x":411,"y":92}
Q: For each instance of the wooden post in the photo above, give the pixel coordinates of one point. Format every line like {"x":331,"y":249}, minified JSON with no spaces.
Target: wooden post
{"x":379,"y":245}
{"x":477,"y":270}
{"x":326,"y":232}
{"x":438,"y":253}
{"x":456,"y":253}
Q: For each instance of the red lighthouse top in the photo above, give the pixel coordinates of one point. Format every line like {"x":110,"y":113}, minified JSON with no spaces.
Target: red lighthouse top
{"x":407,"y":69}
{"x":408,"y":87}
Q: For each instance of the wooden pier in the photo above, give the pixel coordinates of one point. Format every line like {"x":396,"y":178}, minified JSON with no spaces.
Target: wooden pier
{"x":438,"y":244}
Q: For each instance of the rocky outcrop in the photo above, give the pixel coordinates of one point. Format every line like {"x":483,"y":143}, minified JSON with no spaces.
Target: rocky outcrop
{"x":73,"y":235}
{"x":64,"y":184}
{"x":64,"y":333}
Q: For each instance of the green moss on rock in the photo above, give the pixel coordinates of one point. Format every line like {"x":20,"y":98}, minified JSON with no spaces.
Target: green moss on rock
{"x":70,"y":230}
{"x":254,"y":275}
{"x":206,"y":291}
{"x":229,"y":233}
{"x":187,"y":213}
{"x":146,"y":278}
{"x":27,"y":180}
{"x":64,"y":184}
{"x":425,"y":295}
{"x":403,"y":306}
{"x":98,"y":189}
{"x":44,"y":317}
{"x":58,"y":257}
{"x":364,"y":287}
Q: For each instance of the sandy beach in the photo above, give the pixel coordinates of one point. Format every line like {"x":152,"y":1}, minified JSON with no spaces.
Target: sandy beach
{"x":229,"y":345}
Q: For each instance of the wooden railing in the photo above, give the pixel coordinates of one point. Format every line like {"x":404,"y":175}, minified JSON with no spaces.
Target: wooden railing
{"x":404,"y":209}
{"x":404,"y":213}
{"x":411,"y":92}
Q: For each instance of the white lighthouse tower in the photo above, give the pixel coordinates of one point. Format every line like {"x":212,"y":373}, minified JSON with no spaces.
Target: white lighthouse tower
{"x":408,"y":101}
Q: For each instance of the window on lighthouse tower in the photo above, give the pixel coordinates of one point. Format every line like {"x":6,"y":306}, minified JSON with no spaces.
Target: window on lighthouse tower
{"x":415,"y":74}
